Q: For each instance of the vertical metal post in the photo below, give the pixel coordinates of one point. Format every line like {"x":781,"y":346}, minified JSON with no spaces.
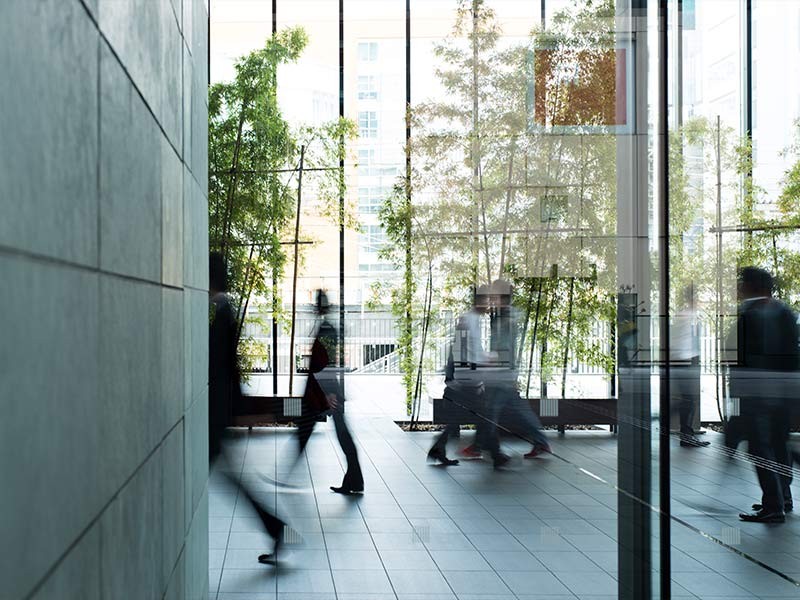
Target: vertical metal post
{"x":748,"y":70}
{"x":275,"y":289}
{"x":664,"y":291}
{"x":635,"y":438}
{"x":679,"y":66}
{"x":341,"y":191}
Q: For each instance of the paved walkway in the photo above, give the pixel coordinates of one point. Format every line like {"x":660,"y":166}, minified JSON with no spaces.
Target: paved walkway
{"x":545,"y":530}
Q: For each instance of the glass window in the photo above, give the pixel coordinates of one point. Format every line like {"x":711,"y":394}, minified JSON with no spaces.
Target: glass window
{"x":368,"y":124}
{"x":370,"y":199}
{"x":367,"y":87}
{"x":372,"y":239}
{"x":368,"y":51}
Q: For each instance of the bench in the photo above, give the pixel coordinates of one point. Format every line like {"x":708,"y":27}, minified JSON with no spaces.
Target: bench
{"x":557,"y":412}
{"x":254,"y":410}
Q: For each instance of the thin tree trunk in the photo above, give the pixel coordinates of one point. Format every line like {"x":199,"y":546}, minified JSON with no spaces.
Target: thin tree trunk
{"x":533,"y":338}
{"x":528,"y":307}
{"x":425,"y":327}
{"x":244,"y":298}
{"x":294,"y":275}
{"x":509,"y":194}
{"x":234,"y":181}
{"x":542,"y":381}
{"x":566,"y":342}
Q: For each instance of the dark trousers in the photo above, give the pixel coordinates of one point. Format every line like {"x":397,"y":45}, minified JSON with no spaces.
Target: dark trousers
{"x":440,"y":443}
{"x":768,"y":438}
{"x":504,"y":401}
{"x":353,"y":478}
{"x":272,"y":524}
{"x":685,"y":391}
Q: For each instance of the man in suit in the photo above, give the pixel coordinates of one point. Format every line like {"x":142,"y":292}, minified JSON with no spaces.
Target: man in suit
{"x":767,"y":360}
{"x":224,"y":390}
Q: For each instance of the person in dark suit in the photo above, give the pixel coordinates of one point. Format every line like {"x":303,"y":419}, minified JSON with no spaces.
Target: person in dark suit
{"x":224,"y":390}
{"x":324,"y":392}
{"x":767,"y":360}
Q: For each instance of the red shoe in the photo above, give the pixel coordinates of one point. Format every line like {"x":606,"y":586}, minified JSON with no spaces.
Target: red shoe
{"x":537,"y":451}
{"x":470,"y":452}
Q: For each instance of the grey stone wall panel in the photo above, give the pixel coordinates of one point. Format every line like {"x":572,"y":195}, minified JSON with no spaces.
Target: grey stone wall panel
{"x":131,"y":415}
{"x":195,"y":227}
{"x":197,"y":553}
{"x":131,"y":538}
{"x":171,"y":88}
{"x":187,"y":74}
{"x":49,"y":358}
{"x":172,"y":356}
{"x":134,"y":30}
{"x":171,"y":216}
{"x":130,"y":178}
{"x":195,"y":456}
{"x":77,"y":577}
{"x":48,"y":169}
{"x":172,"y":499}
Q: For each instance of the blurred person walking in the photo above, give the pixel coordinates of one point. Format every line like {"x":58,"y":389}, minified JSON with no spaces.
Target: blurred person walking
{"x":464,"y":377}
{"x":324,"y":392}
{"x":763,"y":378}
{"x":224,"y":392}
{"x":684,"y":357}
{"x":502,"y":389}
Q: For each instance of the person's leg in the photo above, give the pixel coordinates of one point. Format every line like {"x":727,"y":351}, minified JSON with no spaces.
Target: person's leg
{"x":781,"y":430}
{"x":353,"y":478}
{"x":272,"y":524}
{"x":762,"y":446}
{"x":528,"y":420}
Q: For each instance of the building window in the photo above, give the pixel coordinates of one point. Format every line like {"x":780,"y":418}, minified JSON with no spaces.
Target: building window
{"x":367,"y":87}
{"x":368,"y":124}
{"x":368,"y":51}
{"x":372,"y":239}
{"x":370,"y":199}
{"x":366,"y":159}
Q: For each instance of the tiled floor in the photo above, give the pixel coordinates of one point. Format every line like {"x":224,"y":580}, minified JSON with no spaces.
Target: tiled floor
{"x":544,"y":530}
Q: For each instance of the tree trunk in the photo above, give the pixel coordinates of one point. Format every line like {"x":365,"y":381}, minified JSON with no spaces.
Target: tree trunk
{"x":533,"y":338}
{"x":509,"y":194}
{"x":566,"y":342}
{"x":294,"y":275}
{"x":234,"y":181}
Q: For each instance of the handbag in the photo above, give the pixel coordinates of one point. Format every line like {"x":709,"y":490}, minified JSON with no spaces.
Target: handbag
{"x":314,"y":398}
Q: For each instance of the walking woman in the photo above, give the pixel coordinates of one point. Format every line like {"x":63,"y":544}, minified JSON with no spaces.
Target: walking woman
{"x":324,"y":392}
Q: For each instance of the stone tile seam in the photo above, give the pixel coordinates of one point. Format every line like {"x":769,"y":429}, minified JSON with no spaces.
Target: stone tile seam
{"x":116,"y":56}
{"x":96,"y":519}
{"x":44,"y":259}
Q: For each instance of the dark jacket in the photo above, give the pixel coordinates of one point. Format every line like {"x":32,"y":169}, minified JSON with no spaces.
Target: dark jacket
{"x":224,"y":379}
{"x":766,"y":350}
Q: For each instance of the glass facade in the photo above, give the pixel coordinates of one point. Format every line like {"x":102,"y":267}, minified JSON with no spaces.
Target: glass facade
{"x":611,"y":167}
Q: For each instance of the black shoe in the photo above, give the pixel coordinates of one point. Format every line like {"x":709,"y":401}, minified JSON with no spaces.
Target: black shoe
{"x":689,"y":441}
{"x":787,"y":508}
{"x":346,"y":491}
{"x":763,"y":516}
{"x":501,"y":460}
{"x":438,"y":455}
{"x":268,"y":559}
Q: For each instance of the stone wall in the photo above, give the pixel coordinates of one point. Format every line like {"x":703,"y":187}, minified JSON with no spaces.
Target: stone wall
{"x":104,"y":320}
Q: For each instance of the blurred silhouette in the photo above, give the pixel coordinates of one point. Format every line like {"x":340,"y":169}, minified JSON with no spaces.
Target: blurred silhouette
{"x":224,"y":391}
{"x":763,"y":379}
{"x":503,"y":398}
{"x":464,"y":373}
{"x":684,"y":357}
{"x":323,"y":393}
